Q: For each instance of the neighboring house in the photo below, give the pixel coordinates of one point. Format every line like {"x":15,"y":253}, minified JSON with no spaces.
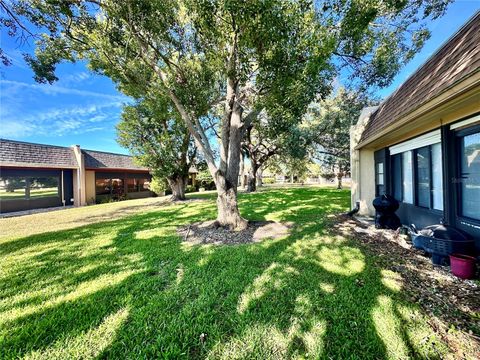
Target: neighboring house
{"x":422,"y":144}
{"x":37,"y":176}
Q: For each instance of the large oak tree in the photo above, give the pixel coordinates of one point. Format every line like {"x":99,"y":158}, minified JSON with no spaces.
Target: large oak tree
{"x":202,"y":53}
{"x":152,"y":132}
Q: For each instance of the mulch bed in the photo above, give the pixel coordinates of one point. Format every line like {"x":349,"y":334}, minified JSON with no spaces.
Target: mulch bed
{"x":208,"y":233}
{"x":452,"y":303}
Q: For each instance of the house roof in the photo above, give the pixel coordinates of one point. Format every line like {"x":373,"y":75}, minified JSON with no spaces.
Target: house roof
{"x":458,"y":58}
{"x":105,"y":160}
{"x":22,"y":154}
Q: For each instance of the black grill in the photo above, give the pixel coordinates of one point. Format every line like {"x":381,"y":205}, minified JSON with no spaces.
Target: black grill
{"x":385,"y":207}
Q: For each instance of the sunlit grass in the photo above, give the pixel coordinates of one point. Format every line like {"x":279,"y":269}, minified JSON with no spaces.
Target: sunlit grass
{"x":129,"y":287}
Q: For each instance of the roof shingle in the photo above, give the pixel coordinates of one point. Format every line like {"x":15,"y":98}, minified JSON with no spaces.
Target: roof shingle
{"x":24,"y":154}
{"x":104,"y":160}
{"x":457,"y":59}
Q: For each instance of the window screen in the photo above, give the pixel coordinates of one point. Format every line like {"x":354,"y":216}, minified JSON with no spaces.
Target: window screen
{"x":407,"y":180}
{"x":423,"y":176}
{"x":470,"y":176}
{"x":437,"y":177}
{"x":397,"y":176}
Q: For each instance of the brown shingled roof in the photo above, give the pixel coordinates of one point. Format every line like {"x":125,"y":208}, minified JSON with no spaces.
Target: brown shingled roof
{"x":457,"y":59}
{"x":23,"y":154}
{"x":103,"y":160}
{"x":17,"y":153}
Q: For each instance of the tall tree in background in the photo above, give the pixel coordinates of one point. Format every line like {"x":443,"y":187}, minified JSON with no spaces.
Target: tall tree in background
{"x":329,"y":122}
{"x":263,"y":141}
{"x":295,"y":168}
{"x":152,"y":132}
{"x":204,"y":53}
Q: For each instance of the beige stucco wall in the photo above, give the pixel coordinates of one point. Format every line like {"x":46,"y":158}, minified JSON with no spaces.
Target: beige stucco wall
{"x":366,"y":190}
{"x":90,"y":186}
{"x":362,"y":168}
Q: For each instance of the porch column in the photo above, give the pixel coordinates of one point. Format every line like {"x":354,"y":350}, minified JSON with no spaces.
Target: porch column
{"x":79,"y":192}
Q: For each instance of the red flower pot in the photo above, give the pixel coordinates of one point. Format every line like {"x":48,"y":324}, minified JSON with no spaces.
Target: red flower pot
{"x":462,"y":266}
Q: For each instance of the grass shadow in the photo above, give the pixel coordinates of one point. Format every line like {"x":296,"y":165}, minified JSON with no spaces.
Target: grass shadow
{"x":311,"y":294}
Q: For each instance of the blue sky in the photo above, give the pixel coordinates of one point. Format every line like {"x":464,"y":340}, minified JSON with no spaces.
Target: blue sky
{"x":83,"y":108}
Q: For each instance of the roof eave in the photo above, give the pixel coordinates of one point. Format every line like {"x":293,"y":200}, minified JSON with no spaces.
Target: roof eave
{"x":465,"y":84}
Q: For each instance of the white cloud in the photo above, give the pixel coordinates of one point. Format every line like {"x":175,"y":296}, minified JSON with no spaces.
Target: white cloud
{"x":76,"y":77}
{"x":61,"y":121}
{"x":34,"y":109}
{"x":14,"y":129}
{"x":16,"y":56}
{"x":58,"y":90}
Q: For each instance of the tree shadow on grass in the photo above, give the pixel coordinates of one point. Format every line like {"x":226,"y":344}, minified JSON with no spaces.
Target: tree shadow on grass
{"x":310,"y":294}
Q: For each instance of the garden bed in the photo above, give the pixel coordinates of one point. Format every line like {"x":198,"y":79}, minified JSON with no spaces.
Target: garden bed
{"x":208,"y":233}
{"x":452,"y":303}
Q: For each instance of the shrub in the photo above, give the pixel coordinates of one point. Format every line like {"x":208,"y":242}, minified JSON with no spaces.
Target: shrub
{"x":190,"y":189}
{"x":329,"y":176}
{"x":205,"y":180}
{"x":269,"y":180}
{"x":158,"y":186}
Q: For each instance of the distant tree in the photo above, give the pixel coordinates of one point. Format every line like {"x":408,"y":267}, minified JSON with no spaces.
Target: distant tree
{"x":264,"y":139}
{"x":12,"y":184}
{"x":204,"y":53}
{"x":329,"y":123}
{"x":295,"y":168}
{"x":151,"y":131}
{"x":205,"y":180}
{"x":314,"y":169}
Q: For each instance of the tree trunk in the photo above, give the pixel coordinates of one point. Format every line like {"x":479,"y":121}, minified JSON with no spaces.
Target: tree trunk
{"x":252,"y":178}
{"x":291,"y":179}
{"x":231,"y":134}
{"x":242,"y":171}
{"x":227,"y":206}
{"x":226,"y":177}
{"x":259,"y":177}
{"x":339,"y":180}
{"x":177,"y":185}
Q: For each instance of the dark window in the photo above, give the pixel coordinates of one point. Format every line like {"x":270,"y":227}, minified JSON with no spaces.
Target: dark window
{"x":380,"y":178}
{"x":42,"y":187}
{"x":143,"y":184}
{"x":112,"y":187}
{"x":117,"y":187}
{"x":470,"y":175}
{"x":136,"y":185}
{"x":397,"y":176}
{"x":425,"y":182}
{"x":423,"y":176}
{"x":132,"y":185}
{"x":17,"y":188}
{"x":12,"y":188}
{"x":103,"y":186}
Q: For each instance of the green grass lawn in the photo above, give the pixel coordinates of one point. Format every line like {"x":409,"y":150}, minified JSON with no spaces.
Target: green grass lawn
{"x":129,"y":288}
